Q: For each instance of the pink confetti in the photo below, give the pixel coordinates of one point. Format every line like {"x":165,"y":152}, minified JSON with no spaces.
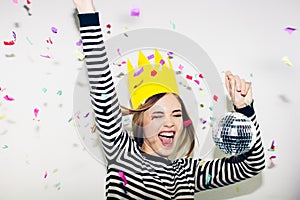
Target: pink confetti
{"x":121,"y":174}
{"x":181,"y":67}
{"x":290,"y":30}
{"x":36,"y":112}
{"x":187,"y":122}
{"x":201,"y":76}
{"x":7,"y":98}
{"x":119,"y":51}
{"x":153,"y":73}
{"x":15,"y":1}
{"x":215,"y":97}
{"x":45,"y":175}
{"x":197,"y":81}
{"x":45,"y":56}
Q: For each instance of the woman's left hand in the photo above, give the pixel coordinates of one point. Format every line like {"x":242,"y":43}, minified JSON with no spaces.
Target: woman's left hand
{"x":239,"y":90}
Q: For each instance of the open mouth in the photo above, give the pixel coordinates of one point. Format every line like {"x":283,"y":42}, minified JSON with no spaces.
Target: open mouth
{"x":166,"y":137}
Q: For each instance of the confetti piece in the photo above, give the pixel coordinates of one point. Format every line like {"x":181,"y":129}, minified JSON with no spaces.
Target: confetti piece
{"x":202,"y":163}
{"x":10,"y":55}
{"x":7,"y":98}
{"x":119,"y":51}
{"x":153,"y":73}
{"x":9,"y":43}
{"x":212,"y":118}
{"x":284,"y":98}
{"x":122,"y":176}
{"x":36,"y":112}
{"x":44,"y":90}
{"x":4,"y":146}
{"x":207,"y":179}
{"x":197,"y":81}
{"x":28,"y":2}
{"x":162,"y":62}
{"x":86,"y":115}
{"x":79,"y":42}
{"x":173,"y":25}
{"x":150,"y":56}
{"x":189,"y":77}
{"x":45,"y":56}
{"x":290,"y":30}
{"x":45,"y":175}
{"x":29,"y":41}
{"x":49,"y":41}
{"x":2,"y":117}
{"x":135,"y":11}
{"x":286,"y":61}
{"x":15,"y":1}
{"x":204,"y":121}
{"x":180,"y":67}
{"x":104,"y":96}
{"x":251,"y":75}
{"x":215,"y":97}
{"x":272,"y":164}
{"x":55,"y":170}
{"x":201,"y":105}
{"x":27,"y":9}
{"x":272,"y":148}
{"x":237,"y":189}
{"x":211,"y":108}
{"x":14,"y":36}
{"x":108,"y":26}
{"x":201,"y":76}
{"x":59,"y":92}
{"x":137,"y":73}
{"x":187,"y":123}
{"x":79,"y":55}
{"x":170,"y":53}
{"x":54,"y":30}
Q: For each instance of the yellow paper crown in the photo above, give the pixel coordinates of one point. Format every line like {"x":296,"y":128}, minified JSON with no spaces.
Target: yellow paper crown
{"x":148,"y":79}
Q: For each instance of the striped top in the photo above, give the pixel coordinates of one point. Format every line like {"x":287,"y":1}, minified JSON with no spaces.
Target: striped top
{"x":147,"y":176}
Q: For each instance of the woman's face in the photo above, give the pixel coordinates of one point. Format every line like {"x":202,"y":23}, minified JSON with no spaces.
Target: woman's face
{"x":163,"y":125}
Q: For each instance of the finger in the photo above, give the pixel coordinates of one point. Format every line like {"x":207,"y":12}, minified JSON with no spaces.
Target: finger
{"x":237,"y":83}
{"x":248,"y":88}
{"x":232,"y":87}
{"x":243,"y":87}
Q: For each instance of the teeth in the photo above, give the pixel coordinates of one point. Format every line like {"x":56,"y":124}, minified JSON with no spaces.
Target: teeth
{"x":167,"y":134}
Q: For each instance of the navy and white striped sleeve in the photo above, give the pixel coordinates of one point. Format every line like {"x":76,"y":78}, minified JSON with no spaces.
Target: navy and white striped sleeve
{"x":229,"y":170}
{"x":102,"y":91}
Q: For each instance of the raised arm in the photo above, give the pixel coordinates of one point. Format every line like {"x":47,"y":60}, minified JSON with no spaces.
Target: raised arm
{"x":225,"y":171}
{"x":102,"y":91}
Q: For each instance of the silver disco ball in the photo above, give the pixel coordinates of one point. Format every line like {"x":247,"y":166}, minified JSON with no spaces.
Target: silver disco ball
{"x":234,"y":133}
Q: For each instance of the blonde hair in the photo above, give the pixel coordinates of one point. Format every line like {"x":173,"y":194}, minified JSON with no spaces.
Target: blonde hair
{"x":188,"y":132}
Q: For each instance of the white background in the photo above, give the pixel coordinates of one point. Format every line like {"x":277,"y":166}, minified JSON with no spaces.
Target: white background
{"x":246,"y":37}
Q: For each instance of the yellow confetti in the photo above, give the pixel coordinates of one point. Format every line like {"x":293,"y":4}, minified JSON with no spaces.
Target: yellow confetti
{"x":2,"y":117}
{"x":79,"y":55}
{"x":286,"y":61}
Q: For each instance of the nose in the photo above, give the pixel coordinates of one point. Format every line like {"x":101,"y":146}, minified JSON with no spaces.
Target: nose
{"x":169,"y":122}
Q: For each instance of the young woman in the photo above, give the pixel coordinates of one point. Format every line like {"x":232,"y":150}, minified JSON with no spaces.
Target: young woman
{"x":139,"y":168}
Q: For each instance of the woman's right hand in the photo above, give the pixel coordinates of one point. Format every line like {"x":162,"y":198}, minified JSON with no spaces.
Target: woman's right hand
{"x":84,"y":6}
